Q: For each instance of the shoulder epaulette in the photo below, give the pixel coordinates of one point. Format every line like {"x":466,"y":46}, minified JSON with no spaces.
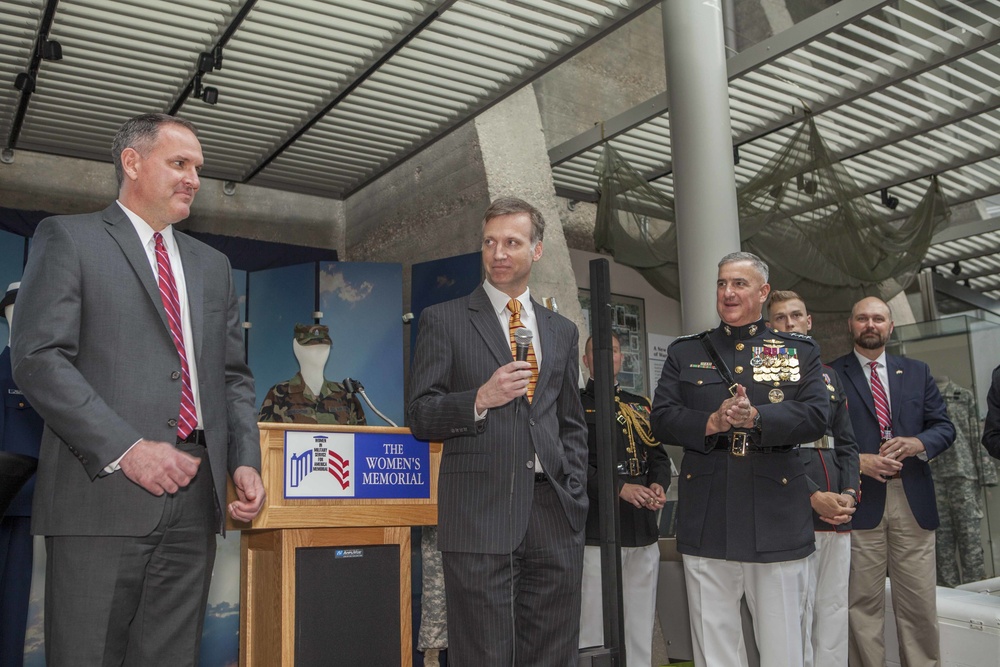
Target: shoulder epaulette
{"x":697,"y":336}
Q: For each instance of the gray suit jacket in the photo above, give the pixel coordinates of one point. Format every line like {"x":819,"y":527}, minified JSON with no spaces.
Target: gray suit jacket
{"x":487,"y":470}
{"x":92,"y":351}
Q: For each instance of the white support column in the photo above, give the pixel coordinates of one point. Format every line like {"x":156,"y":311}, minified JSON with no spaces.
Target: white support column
{"x":702,"y":147}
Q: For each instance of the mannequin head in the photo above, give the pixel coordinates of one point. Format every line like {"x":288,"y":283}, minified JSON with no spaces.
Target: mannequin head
{"x":311,"y":346}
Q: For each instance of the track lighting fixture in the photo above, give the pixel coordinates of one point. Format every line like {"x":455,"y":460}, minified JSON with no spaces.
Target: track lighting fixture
{"x":209,"y":94}
{"x":888,"y":201}
{"x":50,"y":49}
{"x":25,"y":82}
{"x":736,"y":155}
{"x":956,"y":268}
{"x":808,"y":186}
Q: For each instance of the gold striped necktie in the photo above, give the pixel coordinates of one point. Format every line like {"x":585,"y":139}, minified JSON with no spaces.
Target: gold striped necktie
{"x":514,"y":306}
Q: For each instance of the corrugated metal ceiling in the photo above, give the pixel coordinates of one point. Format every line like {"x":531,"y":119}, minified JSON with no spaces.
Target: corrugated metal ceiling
{"x":314,"y":96}
{"x":901,"y":91}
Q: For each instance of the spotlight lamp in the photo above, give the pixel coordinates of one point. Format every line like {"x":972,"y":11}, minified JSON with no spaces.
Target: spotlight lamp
{"x":209,"y":94}
{"x":25,"y":82}
{"x":50,"y":49}
{"x":966,"y":283}
{"x":809,"y":186}
{"x":889,"y":201}
{"x":956,"y":268}
{"x":736,"y":155}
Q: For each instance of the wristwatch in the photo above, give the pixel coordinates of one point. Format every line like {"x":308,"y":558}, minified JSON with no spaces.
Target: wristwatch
{"x":852,"y":493}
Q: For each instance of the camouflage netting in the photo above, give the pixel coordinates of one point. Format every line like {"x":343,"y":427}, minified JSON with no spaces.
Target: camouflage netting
{"x":802,"y":213}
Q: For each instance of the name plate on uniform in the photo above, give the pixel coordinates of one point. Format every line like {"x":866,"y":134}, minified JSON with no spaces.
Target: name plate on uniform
{"x":356,"y":465}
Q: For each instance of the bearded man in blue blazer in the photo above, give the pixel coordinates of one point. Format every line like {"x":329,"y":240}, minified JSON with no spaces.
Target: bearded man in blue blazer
{"x":900,"y":423}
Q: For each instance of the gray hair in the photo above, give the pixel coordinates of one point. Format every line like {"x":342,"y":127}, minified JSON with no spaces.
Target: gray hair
{"x":513,"y":206}
{"x":140,"y":133}
{"x":757,"y":262}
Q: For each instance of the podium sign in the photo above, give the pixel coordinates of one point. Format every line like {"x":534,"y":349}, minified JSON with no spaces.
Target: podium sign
{"x":336,"y":497}
{"x":356,"y":465}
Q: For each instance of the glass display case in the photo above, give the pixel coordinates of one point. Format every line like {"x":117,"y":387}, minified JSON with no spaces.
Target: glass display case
{"x":964,"y":350}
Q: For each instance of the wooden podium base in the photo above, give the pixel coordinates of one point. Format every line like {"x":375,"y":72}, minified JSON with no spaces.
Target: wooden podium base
{"x":268,"y":611}
{"x":349,"y":595}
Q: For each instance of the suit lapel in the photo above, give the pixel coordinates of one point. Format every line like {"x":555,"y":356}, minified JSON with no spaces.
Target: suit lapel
{"x":546,"y":336}
{"x":122,"y":231}
{"x":856,"y":375}
{"x":894,"y":369}
{"x":195,"y":284}
{"x":485,"y":321}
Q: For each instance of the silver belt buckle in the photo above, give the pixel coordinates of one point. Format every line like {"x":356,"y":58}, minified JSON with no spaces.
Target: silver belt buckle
{"x":739,"y":443}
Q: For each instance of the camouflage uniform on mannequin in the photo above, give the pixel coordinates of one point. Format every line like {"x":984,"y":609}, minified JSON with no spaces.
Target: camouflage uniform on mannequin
{"x":959,"y":473}
{"x":297,"y":400}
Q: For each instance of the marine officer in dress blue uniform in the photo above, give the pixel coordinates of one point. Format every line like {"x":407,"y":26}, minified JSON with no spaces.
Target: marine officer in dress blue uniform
{"x":739,"y":399}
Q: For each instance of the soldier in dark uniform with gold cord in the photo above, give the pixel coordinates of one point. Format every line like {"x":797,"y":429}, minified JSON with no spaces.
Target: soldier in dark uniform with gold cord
{"x":739,"y":399}
{"x":643,"y":475}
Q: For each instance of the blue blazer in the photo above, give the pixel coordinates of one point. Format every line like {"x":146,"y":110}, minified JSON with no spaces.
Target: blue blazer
{"x":917,"y":411}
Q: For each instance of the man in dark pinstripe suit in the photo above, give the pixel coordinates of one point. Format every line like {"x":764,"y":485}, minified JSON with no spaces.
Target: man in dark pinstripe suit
{"x":512,"y":491}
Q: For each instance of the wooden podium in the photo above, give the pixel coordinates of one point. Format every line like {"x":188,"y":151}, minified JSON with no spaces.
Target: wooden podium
{"x":269,"y":546}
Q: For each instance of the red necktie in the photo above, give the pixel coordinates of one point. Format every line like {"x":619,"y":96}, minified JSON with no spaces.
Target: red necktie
{"x":881,"y":403}
{"x":514,"y":306}
{"x":168,"y":293}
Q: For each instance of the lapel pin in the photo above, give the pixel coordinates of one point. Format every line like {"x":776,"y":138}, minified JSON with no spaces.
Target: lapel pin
{"x":899,"y":372}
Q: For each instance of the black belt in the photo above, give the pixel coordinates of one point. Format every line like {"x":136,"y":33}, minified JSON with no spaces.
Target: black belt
{"x":541,"y":478}
{"x":632,"y":468}
{"x":732,"y":441}
{"x":196,"y":437}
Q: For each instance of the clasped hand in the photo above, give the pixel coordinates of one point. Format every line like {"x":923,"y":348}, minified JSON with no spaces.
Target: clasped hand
{"x":735,"y":411}
{"x":507,"y":383}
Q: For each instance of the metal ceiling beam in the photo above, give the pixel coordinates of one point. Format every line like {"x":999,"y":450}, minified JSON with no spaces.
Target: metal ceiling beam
{"x":963,"y":293}
{"x":814,"y":27}
{"x":216,"y":48}
{"x":950,"y":259}
{"x":625,"y":18}
{"x":342,"y":95}
{"x":44,"y":26}
{"x":928,"y":58}
{"x":965,"y":230}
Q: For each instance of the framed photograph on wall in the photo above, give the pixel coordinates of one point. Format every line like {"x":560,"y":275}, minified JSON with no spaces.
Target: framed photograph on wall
{"x":628,"y":320}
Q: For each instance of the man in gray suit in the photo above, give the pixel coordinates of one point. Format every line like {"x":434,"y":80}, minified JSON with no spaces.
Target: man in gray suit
{"x":128,"y":343}
{"x":513,"y":487}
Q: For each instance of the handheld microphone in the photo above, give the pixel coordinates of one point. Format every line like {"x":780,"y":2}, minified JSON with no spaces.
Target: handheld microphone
{"x":522,"y":340}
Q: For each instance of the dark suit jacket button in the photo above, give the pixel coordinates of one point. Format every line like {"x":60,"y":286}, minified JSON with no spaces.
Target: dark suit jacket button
{"x":175,"y":375}
{"x":531,"y":422}
{"x":172,"y":423}
{"x":530,"y":464}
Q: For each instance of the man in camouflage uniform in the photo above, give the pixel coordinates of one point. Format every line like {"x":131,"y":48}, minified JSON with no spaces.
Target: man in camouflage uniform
{"x":295,"y":402}
{"x":959,"y":473}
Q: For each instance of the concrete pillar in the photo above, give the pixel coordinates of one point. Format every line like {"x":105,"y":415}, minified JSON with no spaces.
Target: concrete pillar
{"x":702,"y":152}
{"x":517,"y":165}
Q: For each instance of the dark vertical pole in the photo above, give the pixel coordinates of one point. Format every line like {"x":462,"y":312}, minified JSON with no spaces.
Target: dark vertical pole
{"x":316,"y":294}
{"x":604,"y":383}
{"x":246,"y":318}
